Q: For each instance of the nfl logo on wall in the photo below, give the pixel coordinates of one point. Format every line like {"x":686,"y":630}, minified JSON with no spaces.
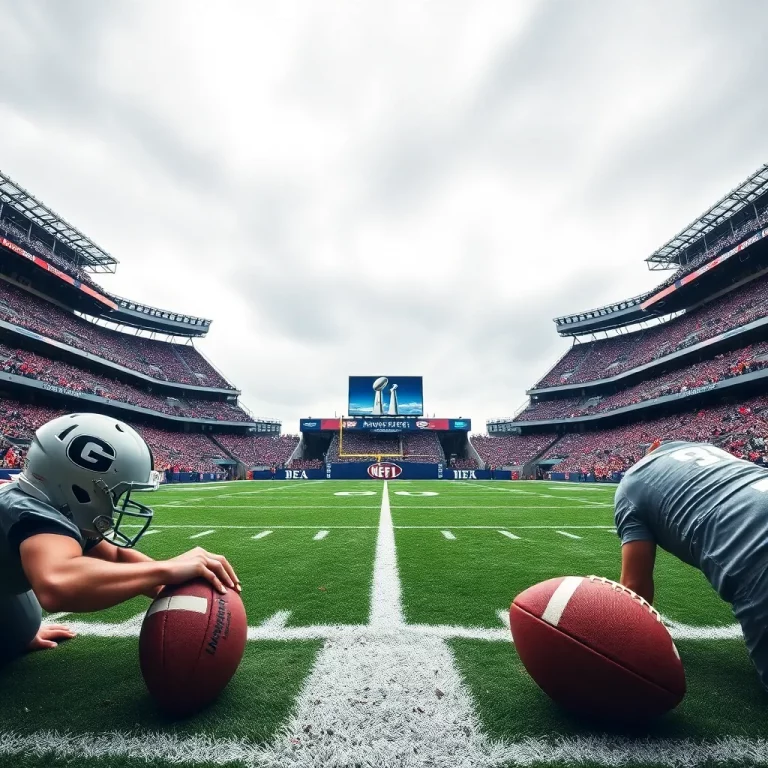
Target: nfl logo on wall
{"x":384,"y":470}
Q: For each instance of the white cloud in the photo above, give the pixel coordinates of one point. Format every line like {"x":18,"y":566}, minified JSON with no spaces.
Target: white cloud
{"x":356,"y":188}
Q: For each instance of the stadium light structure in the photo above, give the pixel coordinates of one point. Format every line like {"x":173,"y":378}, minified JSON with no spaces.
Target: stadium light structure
{"x":670,"y":255}
{"x":89,"y":256}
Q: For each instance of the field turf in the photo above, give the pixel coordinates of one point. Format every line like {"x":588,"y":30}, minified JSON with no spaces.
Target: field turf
{"x":378,"y":639}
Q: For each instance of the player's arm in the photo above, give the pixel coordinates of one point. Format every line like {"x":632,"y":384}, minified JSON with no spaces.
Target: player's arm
{"x":64,"y":580}
{"x":637,"y":561}
{"x":106,"y":551}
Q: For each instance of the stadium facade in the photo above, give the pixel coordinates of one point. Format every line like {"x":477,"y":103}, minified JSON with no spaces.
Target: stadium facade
{"x":686,"y":360}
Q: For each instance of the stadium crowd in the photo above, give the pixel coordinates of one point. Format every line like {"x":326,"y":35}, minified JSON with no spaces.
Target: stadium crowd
{"x":510,"y":450}
{"x":422,"y":447}
{"x":261,"y":451}
{"x":740,"y":429}
{"x":180,"y":363}
{"x":179,"y":450}
{"x":726,"y":366}
{"x":21,"y":362}
{"x":363,"y":445}
{"x":600,"y":359}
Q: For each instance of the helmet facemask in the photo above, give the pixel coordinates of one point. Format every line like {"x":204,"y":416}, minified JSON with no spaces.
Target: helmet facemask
{"x":110,"y":527}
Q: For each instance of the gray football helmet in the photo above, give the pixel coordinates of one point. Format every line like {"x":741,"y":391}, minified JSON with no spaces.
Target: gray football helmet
{"x":86,"y":465}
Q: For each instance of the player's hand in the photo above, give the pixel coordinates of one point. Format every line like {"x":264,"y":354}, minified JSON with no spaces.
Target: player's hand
{"x":48,"y":635}
{"x":199,"y":563}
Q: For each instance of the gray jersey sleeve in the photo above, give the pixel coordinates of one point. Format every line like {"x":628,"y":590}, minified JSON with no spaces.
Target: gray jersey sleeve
{"x":22,"y":516}
{"x":630,"y":524}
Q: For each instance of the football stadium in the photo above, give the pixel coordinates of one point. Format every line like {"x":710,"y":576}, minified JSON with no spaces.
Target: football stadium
{"x":379,"y":551}
{"x":296,"y":472}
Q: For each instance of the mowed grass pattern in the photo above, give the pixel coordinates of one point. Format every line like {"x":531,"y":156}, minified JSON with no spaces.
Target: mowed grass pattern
{"x":504,"y":538}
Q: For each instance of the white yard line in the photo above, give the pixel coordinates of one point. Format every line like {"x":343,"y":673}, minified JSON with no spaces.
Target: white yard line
{"x":320,"y":535}
{"x":386,"y":607}
{"x":569,"y":535}
{"x":316,"y":747}
{"x":202,"y":533}
{"x":509,"y":535}
{"x":261,"y":535}
{"x":448,"y":535}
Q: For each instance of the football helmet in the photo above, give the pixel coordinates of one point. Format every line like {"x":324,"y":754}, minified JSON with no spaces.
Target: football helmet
{"x":86,"y":465}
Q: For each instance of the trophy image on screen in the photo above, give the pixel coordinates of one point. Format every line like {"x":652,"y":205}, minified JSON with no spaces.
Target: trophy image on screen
{"x":378,"y":388}
{"x":393,"y":409}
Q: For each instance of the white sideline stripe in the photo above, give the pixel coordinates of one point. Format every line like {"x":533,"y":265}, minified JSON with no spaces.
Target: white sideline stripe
{"x":276,"y":621}
{"x":202,"y":533}
{"x":448,"y":535}
{"x":569,"y":535}
{"x":261,"y":535}
{"x":54,"y":617}
{"x":320,"y":535}
{"x":509,"y":535}
{"x":412,"y":633}
{"x":386,"y":606}
{"x":559,"y":600}
{"x":179,"y":603}
{"x":567,"y":751}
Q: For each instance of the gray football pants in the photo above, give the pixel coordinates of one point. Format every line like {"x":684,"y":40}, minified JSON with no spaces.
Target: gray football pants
{"x":750,"y":606}
{"x":20,"y":617}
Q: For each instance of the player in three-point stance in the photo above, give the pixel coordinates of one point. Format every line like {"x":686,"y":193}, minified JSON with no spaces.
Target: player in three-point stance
{"x":63,"y":543}
{"x":710,"y":510}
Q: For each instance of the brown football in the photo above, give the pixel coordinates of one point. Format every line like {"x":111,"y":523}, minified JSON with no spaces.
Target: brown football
{"x":191,"y":643}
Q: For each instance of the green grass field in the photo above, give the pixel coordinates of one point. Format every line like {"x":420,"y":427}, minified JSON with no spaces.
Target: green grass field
{"x":378,"y":638}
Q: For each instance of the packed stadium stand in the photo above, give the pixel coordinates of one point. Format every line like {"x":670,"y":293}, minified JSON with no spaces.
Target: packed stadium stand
{"x":67,"y":345}
{"x":260,"y":451}
{"x":686,"y":360}
{"x":422,"y":446}
{"x":180,"y":363}
{"x":358,"y":445}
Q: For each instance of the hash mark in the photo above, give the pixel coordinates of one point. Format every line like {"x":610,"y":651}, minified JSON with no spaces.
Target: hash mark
{"x":509,"y":535}
{"x":261,"y":535}
{"x":201,"y":534}
{"x":448,"y":535}
{"x":320,"y":535}
{"x":569,"y":535}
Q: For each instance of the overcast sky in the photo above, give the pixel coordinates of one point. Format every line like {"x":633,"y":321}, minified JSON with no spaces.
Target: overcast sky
{"x":382,"y":188}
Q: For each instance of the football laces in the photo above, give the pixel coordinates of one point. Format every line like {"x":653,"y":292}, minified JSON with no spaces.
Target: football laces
{"x":627,"y":591}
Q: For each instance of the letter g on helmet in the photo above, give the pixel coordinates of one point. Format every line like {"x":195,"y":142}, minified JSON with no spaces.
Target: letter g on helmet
{"x":86,"y":465}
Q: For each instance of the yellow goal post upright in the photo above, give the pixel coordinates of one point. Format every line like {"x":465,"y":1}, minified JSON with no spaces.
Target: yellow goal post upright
{"x":377,"y":456}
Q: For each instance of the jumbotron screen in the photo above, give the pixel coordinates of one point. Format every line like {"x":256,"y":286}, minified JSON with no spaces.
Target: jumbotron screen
{"x":386,"y":396}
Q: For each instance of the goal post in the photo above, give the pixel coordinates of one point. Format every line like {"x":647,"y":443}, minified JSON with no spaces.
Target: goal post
{"x":377,"y":456}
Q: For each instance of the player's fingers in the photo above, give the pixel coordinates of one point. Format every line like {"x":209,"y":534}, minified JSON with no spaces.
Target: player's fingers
{"x":218,"y":568}
{"x":57,"y":630}
{"x":214,"y":579}
{"x":229,"y":569}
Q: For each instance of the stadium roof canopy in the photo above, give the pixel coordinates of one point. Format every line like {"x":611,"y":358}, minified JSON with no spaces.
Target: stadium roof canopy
{"x":92,"y":258}
{"x":671,"y":254}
